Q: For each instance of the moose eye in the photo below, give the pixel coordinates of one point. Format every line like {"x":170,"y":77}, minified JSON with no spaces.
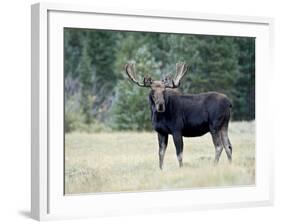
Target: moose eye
{"x":152,"y":94}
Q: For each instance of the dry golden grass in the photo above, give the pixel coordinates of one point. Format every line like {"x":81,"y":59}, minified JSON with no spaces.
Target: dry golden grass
{"x":128,"y":161}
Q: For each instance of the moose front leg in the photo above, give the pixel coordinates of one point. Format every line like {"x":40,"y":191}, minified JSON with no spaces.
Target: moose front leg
{"x":163,"y":142}
{"x":179,"y":147}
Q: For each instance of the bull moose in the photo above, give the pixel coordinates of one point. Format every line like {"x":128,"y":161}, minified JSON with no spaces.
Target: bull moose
{"x":185,"y":115}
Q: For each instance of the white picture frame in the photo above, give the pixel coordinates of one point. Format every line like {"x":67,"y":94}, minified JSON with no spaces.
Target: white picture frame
{"x":47,"y":198}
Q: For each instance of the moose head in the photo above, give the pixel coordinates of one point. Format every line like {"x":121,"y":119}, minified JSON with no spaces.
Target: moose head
{"x":158,"y":87}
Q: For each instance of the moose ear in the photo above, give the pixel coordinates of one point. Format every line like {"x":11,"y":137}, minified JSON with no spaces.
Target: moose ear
{"x":147,"y":80}
{"x":168,"y":81}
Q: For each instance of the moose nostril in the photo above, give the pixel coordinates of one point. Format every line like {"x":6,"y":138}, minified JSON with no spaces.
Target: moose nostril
{"x":161,"y":107}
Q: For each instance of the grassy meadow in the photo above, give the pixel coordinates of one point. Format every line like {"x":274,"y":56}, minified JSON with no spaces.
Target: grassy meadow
{"x":128,"y":161}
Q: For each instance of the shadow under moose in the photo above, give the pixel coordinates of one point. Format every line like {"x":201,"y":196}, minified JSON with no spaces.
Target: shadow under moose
{"x":185,"y":115}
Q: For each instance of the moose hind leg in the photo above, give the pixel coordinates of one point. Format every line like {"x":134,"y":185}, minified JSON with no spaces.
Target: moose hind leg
{"x":179,"y":147}
{"x":226,"y":143}
{"x":163,"y":142}
{"x":218,"y":145}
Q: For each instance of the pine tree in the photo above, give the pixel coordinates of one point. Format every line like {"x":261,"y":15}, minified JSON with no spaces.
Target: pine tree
{"x":86,"y":79}
{"x":245,"y":82}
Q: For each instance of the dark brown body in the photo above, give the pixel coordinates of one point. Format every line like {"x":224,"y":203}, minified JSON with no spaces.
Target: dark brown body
{"x":192,"y":115}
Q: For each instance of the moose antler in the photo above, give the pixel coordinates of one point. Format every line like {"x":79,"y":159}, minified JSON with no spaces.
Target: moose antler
{"x":130,"y":71}
{"x":181,"y":69}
